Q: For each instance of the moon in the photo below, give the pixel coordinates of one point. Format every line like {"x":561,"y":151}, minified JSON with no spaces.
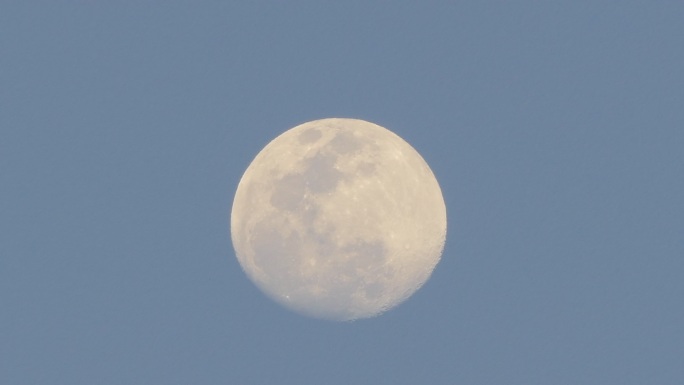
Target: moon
{"x":338,"y":219}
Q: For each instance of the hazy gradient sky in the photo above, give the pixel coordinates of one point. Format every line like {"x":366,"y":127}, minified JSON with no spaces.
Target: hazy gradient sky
{"x":556,"y":130}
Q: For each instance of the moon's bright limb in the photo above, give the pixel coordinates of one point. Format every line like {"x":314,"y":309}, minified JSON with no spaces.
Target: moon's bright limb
{"x":338,"y":219}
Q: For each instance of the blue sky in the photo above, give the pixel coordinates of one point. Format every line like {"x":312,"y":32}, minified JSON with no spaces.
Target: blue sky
{"x":555,"y":129}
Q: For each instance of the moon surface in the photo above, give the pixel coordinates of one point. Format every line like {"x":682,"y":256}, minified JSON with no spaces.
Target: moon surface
{"x":338,"y":219}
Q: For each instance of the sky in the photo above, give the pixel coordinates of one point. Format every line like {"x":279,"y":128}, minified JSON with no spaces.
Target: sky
{"x":555,"y":129}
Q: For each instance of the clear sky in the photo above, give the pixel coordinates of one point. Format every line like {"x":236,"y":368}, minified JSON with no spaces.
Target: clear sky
{"x":556,"y":131}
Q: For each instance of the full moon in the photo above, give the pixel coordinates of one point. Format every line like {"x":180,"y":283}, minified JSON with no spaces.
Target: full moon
{"x":338,"y":219}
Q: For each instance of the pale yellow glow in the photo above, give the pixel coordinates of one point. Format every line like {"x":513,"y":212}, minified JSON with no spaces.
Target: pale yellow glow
{"x":338,"y":219}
